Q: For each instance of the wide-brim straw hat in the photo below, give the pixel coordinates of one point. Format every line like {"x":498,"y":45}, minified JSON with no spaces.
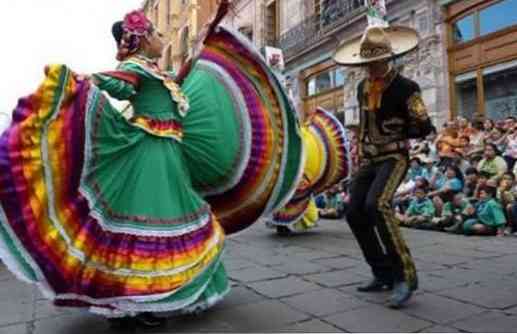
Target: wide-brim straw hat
{"x":376,"y":44}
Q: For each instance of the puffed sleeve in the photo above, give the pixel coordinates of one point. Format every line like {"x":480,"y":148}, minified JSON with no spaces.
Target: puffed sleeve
{"x":121,"y":84}
{"x":419,"y":122}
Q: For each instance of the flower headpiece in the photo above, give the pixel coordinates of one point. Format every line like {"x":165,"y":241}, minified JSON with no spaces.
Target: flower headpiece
{"x":136,"y":23}
{"x":135,"y":26}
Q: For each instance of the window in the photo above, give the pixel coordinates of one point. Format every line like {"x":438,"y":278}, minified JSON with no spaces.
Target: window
{"x":500,"y":85}
{"x":311,"y":87}
{"x":466,"y":95}
{"x":497,"y":17}
{"x":325,"y":81}
{"x":340,"y":77}
{"x":271,"y":23}
{"x":463,"y":30}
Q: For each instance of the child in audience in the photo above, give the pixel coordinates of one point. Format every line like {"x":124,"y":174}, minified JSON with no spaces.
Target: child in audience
{"x":490,"y":218}
{"x":471,"y":181}
{"x":420,"y":211}
{"x":453,"y":184}
{"x":506,"y":196}
{"x":454,"y":214}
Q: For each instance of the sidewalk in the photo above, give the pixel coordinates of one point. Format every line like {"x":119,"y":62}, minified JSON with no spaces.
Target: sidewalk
{"x":306,"y":283}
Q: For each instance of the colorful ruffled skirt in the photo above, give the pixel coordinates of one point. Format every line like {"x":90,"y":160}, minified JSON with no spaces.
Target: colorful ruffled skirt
{"x":99,"y":213}
{"x":326,"y":145}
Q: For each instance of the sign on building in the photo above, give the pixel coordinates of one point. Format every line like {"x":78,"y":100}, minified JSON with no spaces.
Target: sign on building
{"x":376,"y":13}
{"x":275,"y":58}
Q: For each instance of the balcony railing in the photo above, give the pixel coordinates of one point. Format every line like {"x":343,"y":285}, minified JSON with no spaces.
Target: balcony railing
{"x":334,"y":13}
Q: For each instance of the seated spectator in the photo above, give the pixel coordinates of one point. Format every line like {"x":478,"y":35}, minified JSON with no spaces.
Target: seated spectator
{"x":430,"y":168}
{"x":471,"y":181}
{"x":490,"y":218}
{"x":453,"y":184}
{"x":474,"y":159}
{"x":510,"y":153}
{"x":477,"y":136}
{"x":498,"y":138}
{"x":437,"y":177}
{"x":488,"y":126}
{"x":447,"y":143}
{"x":464,"y":128}
{"x":506,"y":196}
{"x":415,"y":169}
{"x":420,"y":211}
{"x":406,"y":192}
{"x":334,"y":207}
{"x":454,"y":214}
{"x":492,"y":163}
{"x":483,"y":178}
{"x":464,"y":147}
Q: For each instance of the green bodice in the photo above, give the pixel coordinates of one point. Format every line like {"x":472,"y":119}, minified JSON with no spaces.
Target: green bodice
{"x":155,"y":98}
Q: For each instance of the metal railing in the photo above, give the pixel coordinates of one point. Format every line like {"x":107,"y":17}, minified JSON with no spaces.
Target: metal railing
{"x":333,"y":14}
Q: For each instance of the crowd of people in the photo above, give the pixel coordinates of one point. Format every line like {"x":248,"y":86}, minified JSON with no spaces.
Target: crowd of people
{"x":460,"y":180}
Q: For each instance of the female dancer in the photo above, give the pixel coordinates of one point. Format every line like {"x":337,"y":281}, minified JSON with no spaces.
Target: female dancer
{"x":127,"y":216}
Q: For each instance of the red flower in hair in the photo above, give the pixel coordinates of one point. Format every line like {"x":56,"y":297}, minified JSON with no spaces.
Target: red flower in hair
{"x":136,"y":23}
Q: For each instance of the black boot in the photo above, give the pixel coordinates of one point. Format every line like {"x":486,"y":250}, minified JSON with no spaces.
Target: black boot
{"x":402,"y":292}
{"x":283,"y":231}
{"x":375,"y":285}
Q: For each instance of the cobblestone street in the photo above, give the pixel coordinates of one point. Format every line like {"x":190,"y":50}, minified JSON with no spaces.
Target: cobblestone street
{"x":306,"y":283}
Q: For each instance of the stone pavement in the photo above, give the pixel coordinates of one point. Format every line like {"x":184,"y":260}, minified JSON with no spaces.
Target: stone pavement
{"x":306,"y":283}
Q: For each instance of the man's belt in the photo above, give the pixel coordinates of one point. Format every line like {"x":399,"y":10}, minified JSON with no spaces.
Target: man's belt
{"x":376,"y":150}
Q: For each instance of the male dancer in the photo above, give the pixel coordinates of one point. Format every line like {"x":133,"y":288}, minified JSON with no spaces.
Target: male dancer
{"x":391,"y":112}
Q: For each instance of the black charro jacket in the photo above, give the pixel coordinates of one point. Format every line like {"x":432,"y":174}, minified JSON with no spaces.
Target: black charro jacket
{"x":402,"y":115}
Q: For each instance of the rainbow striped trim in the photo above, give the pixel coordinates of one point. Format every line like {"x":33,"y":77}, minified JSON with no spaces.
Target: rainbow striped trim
{"x":331,"y":136}
{"x":168,"y":128}
{"x":49,"y":235}
{"x":272,"y":161}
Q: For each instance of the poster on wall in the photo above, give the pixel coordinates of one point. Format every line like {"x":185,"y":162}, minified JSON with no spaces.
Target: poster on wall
{"x":376,"y":13}
{"x":275,"y":58}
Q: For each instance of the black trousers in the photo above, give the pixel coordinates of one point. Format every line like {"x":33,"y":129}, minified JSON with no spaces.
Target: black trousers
{"x":372,"y":220}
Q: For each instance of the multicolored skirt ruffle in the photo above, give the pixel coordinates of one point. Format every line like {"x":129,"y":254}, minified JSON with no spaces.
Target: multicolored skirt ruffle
{"x":70,"y":164}
{"x":326,"y":146}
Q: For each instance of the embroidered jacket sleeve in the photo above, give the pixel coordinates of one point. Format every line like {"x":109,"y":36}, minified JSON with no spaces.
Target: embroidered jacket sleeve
{"x":121,"y":84}
{"x":419,"y":122}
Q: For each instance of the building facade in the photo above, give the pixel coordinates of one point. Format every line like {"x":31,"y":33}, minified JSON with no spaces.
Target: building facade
{"x":482,"y":56}
{"x":466,"y":62}
{"x":308,"y":32}
{"x":181,"y":22}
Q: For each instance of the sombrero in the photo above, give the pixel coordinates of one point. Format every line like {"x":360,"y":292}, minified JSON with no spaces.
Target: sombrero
{"x":376,"y":44}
